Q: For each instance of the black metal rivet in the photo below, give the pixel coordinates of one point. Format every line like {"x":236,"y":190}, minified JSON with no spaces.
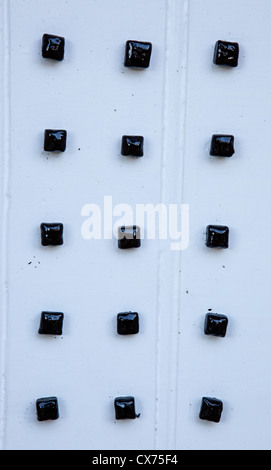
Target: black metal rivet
{"x":215,"y":324}
{"x":127,"y":323}
{"x":222,"y":145}
{"x":132,"y":145}
{"x":211,"y":409}
{"x":129,"y":237}
{"x":53,"y":47}
{"x":47,"y":408}
{"x":55,"y":140}
{"x":226,"y":53}
{"x":51,"y":323}
{"x":217,"y":236}
{"x":51,"y":234}
{"x":137,"y":54}
{"x":125,"y":408}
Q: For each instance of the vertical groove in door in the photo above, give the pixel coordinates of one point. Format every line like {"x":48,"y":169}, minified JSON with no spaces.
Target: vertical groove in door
{"x":169,"y":263}
{"x":5,"y":196}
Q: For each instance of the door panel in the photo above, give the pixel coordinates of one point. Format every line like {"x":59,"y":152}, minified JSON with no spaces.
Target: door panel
{"x":177,"y":104}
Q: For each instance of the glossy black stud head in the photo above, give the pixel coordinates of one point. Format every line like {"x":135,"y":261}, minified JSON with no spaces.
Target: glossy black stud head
{"x":211,"y":409}
{"x":137,"y":54}
{"x":55,"y":140}
{"x":51,"y":323}
{"x":222,"y":145}
{"x":47,"y":408}
{"x":51,"y":234}
{"x":129,"y":237}
{"x":53,"y":47}
{"x":226,"y":53}
{"x":125,"y":408}
{"x":127,"y":323}
{"x":215,"y":324}
{"x":132,"y":145}
{"x":217,"y":236}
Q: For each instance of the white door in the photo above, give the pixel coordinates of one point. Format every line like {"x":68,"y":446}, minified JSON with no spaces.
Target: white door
{"x":172,"y":280}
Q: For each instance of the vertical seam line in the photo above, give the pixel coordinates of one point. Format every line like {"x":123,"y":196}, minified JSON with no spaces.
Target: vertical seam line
{"x":173,"y":150}
{"x":5,"y":208}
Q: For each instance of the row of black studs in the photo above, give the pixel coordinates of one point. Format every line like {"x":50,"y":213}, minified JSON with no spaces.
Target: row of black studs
{"x":217,"y":236}
{"x":133,"y":145}
{"x":137,"y":54}
{"x":51,"y":323}
{"x":55,"y":140}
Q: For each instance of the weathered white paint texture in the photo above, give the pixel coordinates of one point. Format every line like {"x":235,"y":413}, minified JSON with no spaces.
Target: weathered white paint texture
{"x":177,"y":104}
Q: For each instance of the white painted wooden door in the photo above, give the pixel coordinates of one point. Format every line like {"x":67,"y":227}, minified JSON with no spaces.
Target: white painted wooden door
{"x":177,"y":104}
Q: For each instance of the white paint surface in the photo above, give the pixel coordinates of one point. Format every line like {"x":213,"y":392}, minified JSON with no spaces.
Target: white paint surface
{"x":177,"y":104}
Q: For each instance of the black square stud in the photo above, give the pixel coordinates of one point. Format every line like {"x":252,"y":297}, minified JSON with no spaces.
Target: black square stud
{"x":125,"y":408}
{"x":53,"y":47}
{"x":222,"y":145}
{"x":132,"y":145}
{"x":127,"y":323}
{"x":226,"y":53}
{"x":51,"y":234}
{"x":137,"y":54}
{"x":217,"y":236}
{"x":129,"y":237}
{"x":215,"y":324}
{"x":211,"y":409}
{"x":51,"y":323}
{"x":55,"y":140}
{"x":47,"y":408}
